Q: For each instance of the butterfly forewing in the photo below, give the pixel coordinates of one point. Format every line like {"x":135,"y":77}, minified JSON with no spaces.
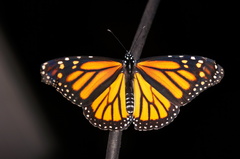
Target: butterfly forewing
{"x":95,"y":83}
{"x":163,"y":84}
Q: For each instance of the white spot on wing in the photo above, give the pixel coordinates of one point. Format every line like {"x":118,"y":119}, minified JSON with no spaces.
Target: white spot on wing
{"x":193,"y":58}
{"x":43,"y":67}
{"x":59,"y":62}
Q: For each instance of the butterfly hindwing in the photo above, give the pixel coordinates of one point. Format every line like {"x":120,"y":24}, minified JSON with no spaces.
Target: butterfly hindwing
{"x":97,"y":84}
{"x":163,"y":84}
{"x":152,"y":110}
{"x":109,"y":107}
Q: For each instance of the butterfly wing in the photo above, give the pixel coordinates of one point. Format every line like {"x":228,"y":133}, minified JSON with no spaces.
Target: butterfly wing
{"x":97,"y":84}
{"x":163,"y":84}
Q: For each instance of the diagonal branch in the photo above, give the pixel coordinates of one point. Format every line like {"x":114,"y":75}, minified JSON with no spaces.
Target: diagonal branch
{"x":114,"y":139}
{"x":143,"y":28}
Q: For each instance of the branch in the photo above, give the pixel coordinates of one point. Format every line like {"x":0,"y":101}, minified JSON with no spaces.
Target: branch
{"x":141,"y":34}
{"x":114,"y":143}
{"x":114,"y":139}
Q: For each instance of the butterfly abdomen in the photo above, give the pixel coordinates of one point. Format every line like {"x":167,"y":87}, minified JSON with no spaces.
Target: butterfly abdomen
{"x":130,"y":102}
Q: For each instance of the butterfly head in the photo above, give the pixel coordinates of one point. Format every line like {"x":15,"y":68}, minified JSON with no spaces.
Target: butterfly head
{"x":128,"y":56}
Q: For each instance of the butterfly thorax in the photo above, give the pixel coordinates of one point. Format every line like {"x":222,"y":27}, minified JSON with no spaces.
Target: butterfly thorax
{"x":129,"y":65}
{"x":129,"y":62}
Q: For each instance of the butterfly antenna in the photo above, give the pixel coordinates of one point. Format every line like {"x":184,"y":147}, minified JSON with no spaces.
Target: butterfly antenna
{"x":117,"y":40}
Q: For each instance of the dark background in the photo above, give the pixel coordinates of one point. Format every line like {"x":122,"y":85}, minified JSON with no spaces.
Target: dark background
{"x":41,"y":30}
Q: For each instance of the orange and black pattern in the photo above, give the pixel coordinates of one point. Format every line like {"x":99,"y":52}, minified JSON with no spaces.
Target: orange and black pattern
{"x":163,"y":84}
{"x":158,"y":87}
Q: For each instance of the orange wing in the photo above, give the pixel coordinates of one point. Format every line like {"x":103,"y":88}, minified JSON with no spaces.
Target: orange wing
{"x":163,"y":84}
{"x":96,"y":84}
{"x":108,"y":111}
{"x":152,"y":110}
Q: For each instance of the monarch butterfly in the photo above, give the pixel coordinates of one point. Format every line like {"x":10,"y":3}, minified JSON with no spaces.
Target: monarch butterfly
{"x":115,"y":93}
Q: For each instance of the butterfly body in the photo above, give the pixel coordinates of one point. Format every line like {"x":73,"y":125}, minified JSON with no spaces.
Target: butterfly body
{"x":147,"y":92}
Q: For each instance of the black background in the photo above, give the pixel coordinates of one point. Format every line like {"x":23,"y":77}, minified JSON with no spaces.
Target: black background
{"x":41,"y":30}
